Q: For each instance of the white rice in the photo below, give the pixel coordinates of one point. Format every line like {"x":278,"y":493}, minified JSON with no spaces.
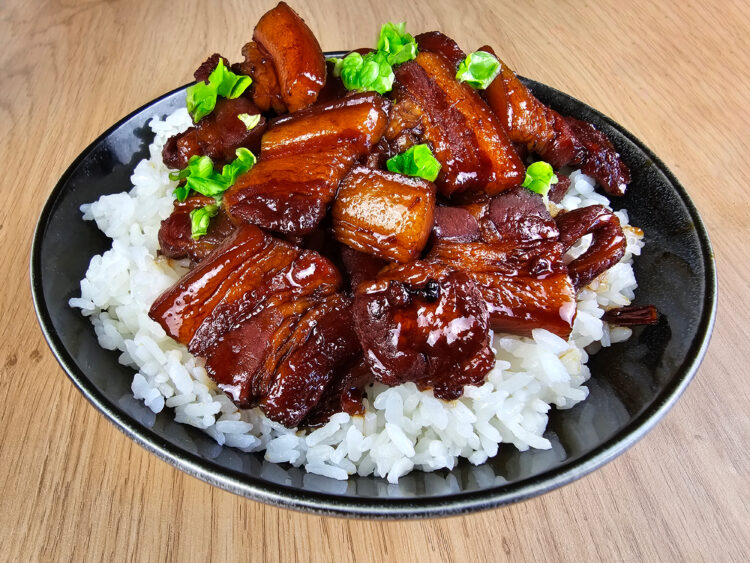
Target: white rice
{"x":403,"y":428}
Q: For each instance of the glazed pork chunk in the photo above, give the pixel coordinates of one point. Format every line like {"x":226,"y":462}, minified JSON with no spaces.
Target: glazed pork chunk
{"x":269,"y":320}
{"x":303,"y":159}
{"x":248,"y":269}
{"x":558,"y":140}
{"x":290,"y":193}
{"x":424,"y":323}
{"x":285,"y":61}
{"x":508,"y":245}
{"x":360,"y":119}
{"x":384,"y":214}
{"x":467,"y":139}
{"x":525,"y":285}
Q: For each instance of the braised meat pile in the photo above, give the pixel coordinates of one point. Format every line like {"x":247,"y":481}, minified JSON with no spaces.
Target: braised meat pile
{"x":376,"y":236}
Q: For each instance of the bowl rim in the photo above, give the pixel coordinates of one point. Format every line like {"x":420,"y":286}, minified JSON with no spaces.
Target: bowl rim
{"x":373,"y":507}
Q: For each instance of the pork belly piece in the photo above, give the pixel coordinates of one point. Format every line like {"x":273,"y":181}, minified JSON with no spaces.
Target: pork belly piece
{"x":524,"y":284}
{"x":466,"y":137}
{"x":285,"y":357}
{"x":527,"y":120}
{"x":424,"y":323}
{"x":175,"y":233}
{"x":218,"y":135}
{"x":360,"y":119}
{"x":441,"y":44}
{"x":297,"y":59}
{"x":607,"y":244}
{"x":290,"y":193}
{"x":265,"y":89}
{"x":452,"y":141}
{"x":242,"y":360}
{"x":324,"y":345}
{"x":505,"y":167}
{"x":269,"y":320}
{"x":518,"y":215}
{"x":383,"y":213}
{"x":558,"y":140}
{"x":250,"y":271}
{"x":598,"y":158}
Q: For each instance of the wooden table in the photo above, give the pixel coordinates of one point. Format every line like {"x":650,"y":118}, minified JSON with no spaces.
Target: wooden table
{"x":674,"y":73}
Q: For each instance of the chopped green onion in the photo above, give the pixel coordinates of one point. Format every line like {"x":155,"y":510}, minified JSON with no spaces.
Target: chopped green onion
{"x":200,"y":100}
{"x":368,"y":72}
{"x":201,"y":97}
{"x":478,"y":69}
{"x":201,"y":218}
{"x":245,"y":161}
{"x":374,"y":70}
{"x":398,"y":45}
{"x":201,"y":177}
{"x":202,"y":166}
{"x":181,"y":192}
{"x":250,"y":121}
{"x":198,"y":168}
{"x":336,"y":65}
{"x":212,"y":186}
{"x":539,"y":177}
{"x":416,"y":161}
{"x":181,"y":175}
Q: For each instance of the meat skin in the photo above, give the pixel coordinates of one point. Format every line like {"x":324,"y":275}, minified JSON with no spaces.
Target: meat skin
{"x":290,"y":193}
{"x":383,"y":213}
{"x":297,"y":58}
{"x":423,"y":323}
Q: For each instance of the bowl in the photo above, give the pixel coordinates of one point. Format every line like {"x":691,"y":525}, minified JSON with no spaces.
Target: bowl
{"x":633,"y":384}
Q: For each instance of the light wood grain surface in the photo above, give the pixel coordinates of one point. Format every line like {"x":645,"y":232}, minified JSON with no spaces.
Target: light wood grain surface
{"x":675,"y":73}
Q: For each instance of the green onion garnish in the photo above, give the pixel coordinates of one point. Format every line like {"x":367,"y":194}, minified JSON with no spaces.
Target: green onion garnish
{"x":398,"y":45}
{"x":539,"y":177}
{"x":369,"y":72}
{"x":201,"y":97}
{"x":478,"y":69}
{"x":201,"y":177}
{"x":250,"y":121}
{"x":201,"y":218}
{"x":416,"y":161}
{"x":374,"y":70}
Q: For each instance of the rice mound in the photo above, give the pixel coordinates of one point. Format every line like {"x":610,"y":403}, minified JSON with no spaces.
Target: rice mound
{"x":403,"y":428}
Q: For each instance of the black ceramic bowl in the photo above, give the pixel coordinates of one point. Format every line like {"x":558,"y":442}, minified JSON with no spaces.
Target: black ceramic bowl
{"x":633,"y":384}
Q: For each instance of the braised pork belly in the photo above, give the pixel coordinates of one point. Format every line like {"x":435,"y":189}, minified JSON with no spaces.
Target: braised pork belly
{"x":341,"y":255}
